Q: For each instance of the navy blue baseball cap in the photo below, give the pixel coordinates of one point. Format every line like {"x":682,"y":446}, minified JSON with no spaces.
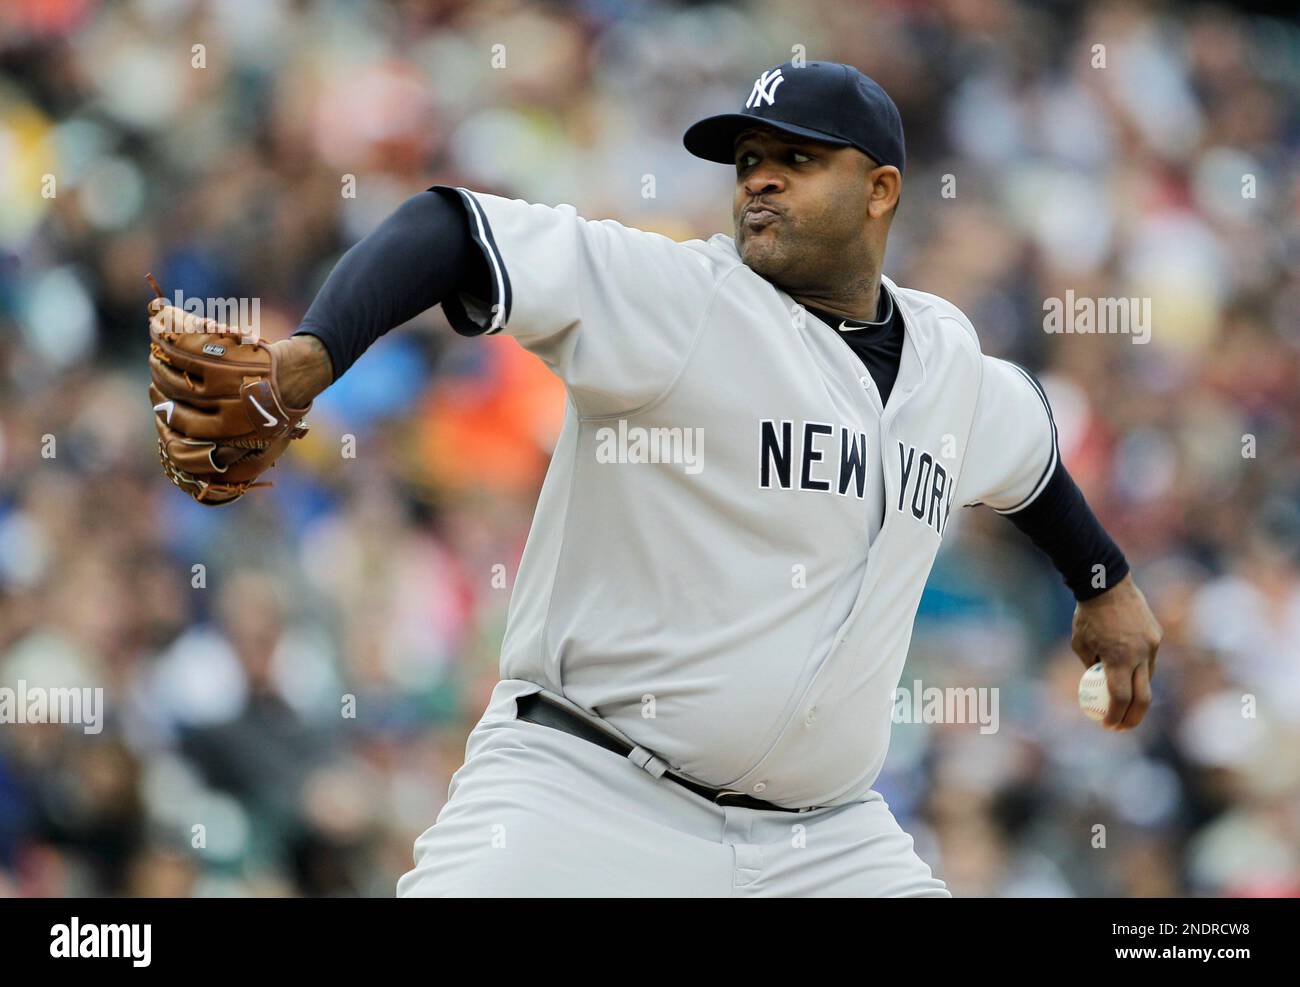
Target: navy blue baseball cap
{"x":823,"y":101}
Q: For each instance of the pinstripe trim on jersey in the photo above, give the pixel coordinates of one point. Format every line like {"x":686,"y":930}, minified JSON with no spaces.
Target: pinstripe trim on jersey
{"x":481,"y":232}
{"x":1052,"y":460}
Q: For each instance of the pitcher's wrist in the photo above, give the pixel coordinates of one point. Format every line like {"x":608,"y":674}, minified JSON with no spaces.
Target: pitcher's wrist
{"x":304,"y":369}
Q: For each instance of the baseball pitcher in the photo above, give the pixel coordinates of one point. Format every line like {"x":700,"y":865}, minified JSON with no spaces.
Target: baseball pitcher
{"x":764,"y":441}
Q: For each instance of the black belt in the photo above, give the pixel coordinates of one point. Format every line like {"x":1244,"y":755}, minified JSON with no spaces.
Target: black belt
{"x":536,"y":708}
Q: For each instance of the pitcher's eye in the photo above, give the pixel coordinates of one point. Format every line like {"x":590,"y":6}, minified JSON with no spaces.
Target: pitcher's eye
{"x":800,"y":158}
{"x":746,"y":160}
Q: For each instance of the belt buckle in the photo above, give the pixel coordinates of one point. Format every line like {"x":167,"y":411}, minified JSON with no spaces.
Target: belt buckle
{"x":718,"y":798}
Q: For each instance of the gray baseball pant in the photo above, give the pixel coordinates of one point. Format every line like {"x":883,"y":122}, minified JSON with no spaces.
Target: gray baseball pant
{"x":536,"y":812}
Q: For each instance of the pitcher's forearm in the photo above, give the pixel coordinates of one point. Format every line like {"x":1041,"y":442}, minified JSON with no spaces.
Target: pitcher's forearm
{"x":1063,"y":526}
{"x":412,"y":261}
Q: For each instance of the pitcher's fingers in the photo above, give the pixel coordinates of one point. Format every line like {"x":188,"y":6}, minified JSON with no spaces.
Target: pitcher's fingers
{"x":1119,"y":683}
{"x":1137,"y":709}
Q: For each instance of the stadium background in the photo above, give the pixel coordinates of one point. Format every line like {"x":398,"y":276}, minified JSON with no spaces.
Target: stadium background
{"x":373,"y":576}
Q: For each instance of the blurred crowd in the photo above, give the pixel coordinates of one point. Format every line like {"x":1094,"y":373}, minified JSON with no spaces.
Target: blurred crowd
{"x":289,"y":681}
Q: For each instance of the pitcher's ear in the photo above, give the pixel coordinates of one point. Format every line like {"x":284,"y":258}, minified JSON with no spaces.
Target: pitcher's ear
{"x":886,"y":189}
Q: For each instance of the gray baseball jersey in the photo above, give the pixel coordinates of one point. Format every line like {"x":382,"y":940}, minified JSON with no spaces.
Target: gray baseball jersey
{"x":733,"y":535}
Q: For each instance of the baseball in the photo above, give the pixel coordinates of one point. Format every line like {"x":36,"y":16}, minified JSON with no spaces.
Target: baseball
{"x":1094,"y":699}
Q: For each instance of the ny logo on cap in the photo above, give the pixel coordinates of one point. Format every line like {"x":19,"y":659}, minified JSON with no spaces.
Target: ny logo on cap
{"x":765,"y":88}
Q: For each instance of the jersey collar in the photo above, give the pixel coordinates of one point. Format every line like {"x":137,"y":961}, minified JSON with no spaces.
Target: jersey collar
{"x":880,"y":322}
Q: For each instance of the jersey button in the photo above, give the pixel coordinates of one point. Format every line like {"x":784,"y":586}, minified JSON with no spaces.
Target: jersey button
{"x":866,"y":383}
{"x":811,"y":716}
{"x":760,"y":787}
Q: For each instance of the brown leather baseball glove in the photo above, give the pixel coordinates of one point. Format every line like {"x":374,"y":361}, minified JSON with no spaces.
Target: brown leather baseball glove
{"x":220,"y":418}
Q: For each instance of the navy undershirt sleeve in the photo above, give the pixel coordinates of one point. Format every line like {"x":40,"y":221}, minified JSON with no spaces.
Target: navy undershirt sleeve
{"x":1060,"y":522}
{"x":412,"y":261}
